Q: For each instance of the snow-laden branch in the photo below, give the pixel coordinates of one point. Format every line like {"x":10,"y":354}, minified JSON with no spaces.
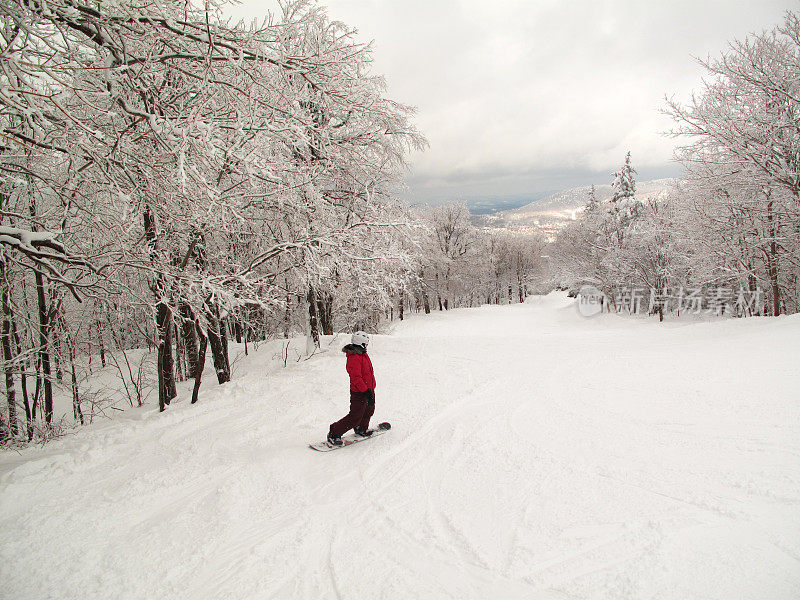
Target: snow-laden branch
{"x":41,"y":247}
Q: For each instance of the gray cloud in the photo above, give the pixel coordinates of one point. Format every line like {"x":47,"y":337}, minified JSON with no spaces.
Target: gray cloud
{"x":512,"y":92}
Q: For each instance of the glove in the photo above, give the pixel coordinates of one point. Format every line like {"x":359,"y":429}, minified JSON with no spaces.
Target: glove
{"x":371,"y":396}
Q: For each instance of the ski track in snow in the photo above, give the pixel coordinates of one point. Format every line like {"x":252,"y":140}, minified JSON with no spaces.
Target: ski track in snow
{"x":533,"y":454}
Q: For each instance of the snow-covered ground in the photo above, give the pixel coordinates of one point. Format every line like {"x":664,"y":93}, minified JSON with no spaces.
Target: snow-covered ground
{"x":534,"y":454}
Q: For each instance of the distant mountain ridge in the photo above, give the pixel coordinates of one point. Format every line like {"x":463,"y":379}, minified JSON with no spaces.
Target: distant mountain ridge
{"x":552,"y":213}
{"x":577,"y":197}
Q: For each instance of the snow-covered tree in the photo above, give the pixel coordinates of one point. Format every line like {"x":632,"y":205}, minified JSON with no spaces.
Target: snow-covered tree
{"x":743,"y":155}
{"x":747,"y":111}
{"x":158,"y":158}
{"x":594,"y":248}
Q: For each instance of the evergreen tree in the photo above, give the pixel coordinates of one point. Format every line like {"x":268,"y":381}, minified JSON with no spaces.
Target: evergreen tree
{"x":624,"y":185}
{"x":624,"y":207}
{"x":591,"y":206}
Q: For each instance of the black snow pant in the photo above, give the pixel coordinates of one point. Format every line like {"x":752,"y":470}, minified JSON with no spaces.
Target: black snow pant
{"x":362,"y":406}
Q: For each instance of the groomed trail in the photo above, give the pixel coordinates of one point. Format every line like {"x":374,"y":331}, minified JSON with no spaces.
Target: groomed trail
{"x":534,"y":454}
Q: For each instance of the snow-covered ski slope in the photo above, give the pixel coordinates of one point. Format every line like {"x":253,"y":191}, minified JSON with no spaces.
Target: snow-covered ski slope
{"x":534,"y":454}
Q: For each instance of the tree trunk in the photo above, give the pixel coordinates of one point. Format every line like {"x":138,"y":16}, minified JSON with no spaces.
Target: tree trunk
{"x":426,"y":304}
{"x":313,"y":321}
{"x":237,"y":329}
{"x":167,"y":389}
{"x":37,"y":393}
{"x":8,"y":355}
{"x":772,"y":262}
{"x":223,"y":335}
{"x":55,"y":343}
{"x":44,"y":352}
{"x":99,"y":326}
{"x":180,"y":354}
{"x":23,"y":378}
{"x":287,"y":318}
{"x":76,"y":401}
{"x":44,"y":333}
{"x":200,"y":360}
{"x":190,"y":333}
{"x":325,"y":312}
{"x":218,"y":349}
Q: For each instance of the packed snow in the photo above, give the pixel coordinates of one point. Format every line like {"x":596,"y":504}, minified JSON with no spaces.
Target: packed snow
{"x":534,"y":453}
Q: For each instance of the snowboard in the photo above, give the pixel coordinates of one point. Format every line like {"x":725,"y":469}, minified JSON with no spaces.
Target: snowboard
{"x":350,"y":439}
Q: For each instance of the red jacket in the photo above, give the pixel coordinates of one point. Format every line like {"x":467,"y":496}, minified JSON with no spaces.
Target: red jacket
{"x":359,"y":367}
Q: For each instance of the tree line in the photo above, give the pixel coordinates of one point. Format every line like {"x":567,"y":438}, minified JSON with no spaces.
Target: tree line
{"x":173,"y":181}
{"x":731,"y":227}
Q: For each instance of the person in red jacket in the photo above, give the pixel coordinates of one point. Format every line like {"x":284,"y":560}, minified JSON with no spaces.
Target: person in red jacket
{"x":362,"y":391}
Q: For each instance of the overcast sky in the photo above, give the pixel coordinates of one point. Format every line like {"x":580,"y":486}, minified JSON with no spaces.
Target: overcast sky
{"x":518,"y":98}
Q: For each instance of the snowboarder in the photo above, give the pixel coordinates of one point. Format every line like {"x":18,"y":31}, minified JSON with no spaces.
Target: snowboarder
{"x":362,"y":391}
